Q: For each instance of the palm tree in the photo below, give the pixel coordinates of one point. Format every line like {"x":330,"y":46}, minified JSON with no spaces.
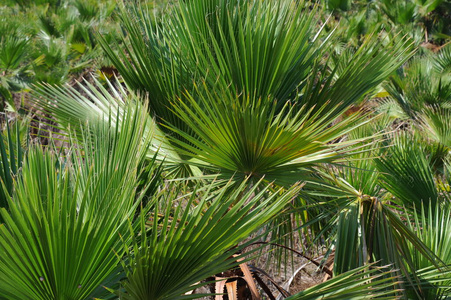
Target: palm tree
{"x":60,"y":205}
{"x":62,"y":230}
{"x":384,"y":207}
{"x":422,"y":94}
{"x":13,"y":71}
{"x":200,"y":71}
{"x":178,"y":249}
{"x":273,"y":115}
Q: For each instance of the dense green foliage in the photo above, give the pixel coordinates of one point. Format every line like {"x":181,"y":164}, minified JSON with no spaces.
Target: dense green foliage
{"x":147,"y":147}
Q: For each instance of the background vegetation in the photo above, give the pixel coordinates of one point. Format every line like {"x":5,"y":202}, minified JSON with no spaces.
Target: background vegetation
{"x":178,"y":149}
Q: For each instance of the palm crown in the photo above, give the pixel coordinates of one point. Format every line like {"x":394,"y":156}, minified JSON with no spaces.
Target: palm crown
{"x":247,"y":101}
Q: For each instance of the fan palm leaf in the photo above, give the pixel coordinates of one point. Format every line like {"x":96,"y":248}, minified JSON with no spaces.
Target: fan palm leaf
{"x":432,"y":226}
{"x":355,"y":75}
{"x":71,"y":107}
{"x":421,"y":84}
{"x":360,"y":283}
{"x":12,"y":155}
{"x":185,"y":245}
{"x":363,"y":219}
{"x":442,"y":62}
{"x":247,"y":131}
{"x":253,"y":139}
{"x":257,"y":49}
{"x":407,"y":174}
{"x":211,"y":44}
{"x":434,"y":122}
{"x":148,"y":62}
{"x":62,"y":230}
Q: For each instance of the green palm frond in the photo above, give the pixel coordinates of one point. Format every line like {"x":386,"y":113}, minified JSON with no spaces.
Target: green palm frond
{"x":212,"y":44}
{"x":12,"y":155}
{"x":391,"y":109}
{"x":447,"y":172}
{"x":184,"y":246}
{"x":362,"y":220}
{"x":148,"y":62}
{"x":13,"y":52}
{"x":420,"y":84}
{"x":433,"y":227}
{"x":373,"y":232}
{"x":406,"y":173}
{"x":197,"y":40}
{"x":72,"y":107}
{"x":88,"y":103}
{"x":403,"y":12}
{"x":436,"y":123}
{"x":358,"y":74}
{"x":442,"y":61}
{"x":337,"y":189}
{"x":257,"y":49}
{"x":434,"y":283}
{"x":63,"y":229}
{"x":360,"y":283}
{"x":252,"y":138}
{"x":338,"y":4}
